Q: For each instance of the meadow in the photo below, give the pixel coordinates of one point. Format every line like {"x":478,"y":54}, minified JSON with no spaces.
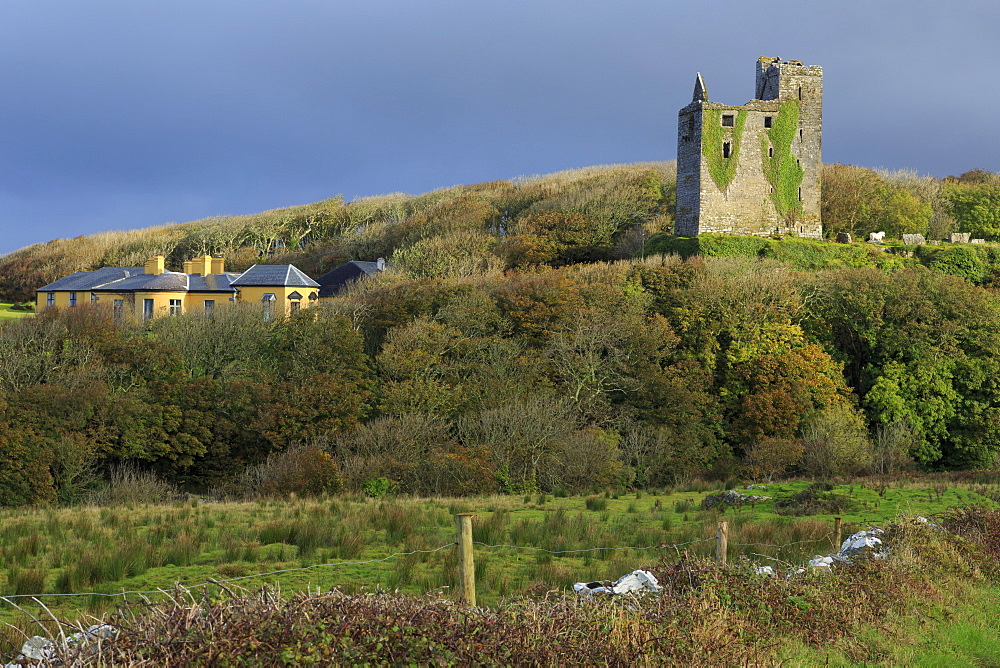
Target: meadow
{"x":525,"y":544}
{"x":7,"y":312}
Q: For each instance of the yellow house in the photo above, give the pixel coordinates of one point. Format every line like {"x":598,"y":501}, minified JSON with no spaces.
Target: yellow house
{"x":280,"y":288}
{"x":152,"y":291}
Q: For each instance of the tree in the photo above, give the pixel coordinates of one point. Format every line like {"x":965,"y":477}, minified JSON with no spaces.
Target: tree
{"x":417,"y":367}
{"x":835,"y":442}
{"x":922,"y":347}
{"x":976,"y":206}
{"x":225,"y":344}
{"x":922,"y":395}
{"x":890,"y":448}
{"x":773,"y":456}
{"x":860,"y":201}
{"x":773,"y":379}
{"x":25,"y":476}
{"x":522,"y":436}
{"x":417,"y":452}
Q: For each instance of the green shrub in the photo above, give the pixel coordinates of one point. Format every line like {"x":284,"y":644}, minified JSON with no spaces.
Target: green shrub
{"x":378,"y":487}
{"x":973,"y":263}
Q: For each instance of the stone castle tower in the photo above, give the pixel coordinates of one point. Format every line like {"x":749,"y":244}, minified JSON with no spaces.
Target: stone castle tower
{"x":753,"y":169}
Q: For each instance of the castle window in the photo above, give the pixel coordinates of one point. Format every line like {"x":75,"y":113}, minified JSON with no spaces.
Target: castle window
{"x":800,"y":194}
{"x":726,"y":149}
{"x":767,"y":121}
{"x":800,"y":92}
{"x":770,"y":151}
{"x":727,"y":120}
{"x":800,"y":134}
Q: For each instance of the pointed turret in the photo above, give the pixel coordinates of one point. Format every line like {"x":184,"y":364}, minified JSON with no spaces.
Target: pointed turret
{"x":700,"y":92}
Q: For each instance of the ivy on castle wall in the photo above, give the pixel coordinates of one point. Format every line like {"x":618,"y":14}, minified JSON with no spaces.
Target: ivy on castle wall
{"x":722,"y":170}
{"x":782,"y":169}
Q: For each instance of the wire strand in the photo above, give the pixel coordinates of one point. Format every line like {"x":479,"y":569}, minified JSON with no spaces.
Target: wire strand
{"x":592,"y":549}
{"x":798,"y":542}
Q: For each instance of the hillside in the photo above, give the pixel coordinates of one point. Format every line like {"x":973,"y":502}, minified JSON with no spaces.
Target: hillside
{"x":579,"y":215}
{"x":522,"y":342}
{"x":594,"y":213}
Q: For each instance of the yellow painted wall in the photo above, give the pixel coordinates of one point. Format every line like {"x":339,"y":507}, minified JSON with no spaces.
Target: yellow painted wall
{"x":62,"y":299}
{"x":195,"y":301}
{"x":161,"y":302}
{"x":251,"y":294}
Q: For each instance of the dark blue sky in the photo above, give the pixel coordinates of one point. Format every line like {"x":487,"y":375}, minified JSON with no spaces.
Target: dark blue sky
{"x":130,"y":113}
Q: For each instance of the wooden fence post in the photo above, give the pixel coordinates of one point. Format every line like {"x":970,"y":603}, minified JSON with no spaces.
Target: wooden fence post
{"x":466,"y":564}
{"x":836,"y":533}
{"x":722,"y":542}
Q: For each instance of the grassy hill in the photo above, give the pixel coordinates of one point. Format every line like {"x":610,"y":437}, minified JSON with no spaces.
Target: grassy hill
{"x":585,"y":214}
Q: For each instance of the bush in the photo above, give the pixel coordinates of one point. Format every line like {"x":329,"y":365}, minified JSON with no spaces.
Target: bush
{"x":378,"y":487}
{"x":306,"y":470}
{"x":835,"y":443}
{"x":973,"y":263}
{"x":816,"y":499}
{"x":130,"y":484}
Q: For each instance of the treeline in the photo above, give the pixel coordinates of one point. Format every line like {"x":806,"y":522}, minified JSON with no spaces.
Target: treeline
{"x":860,"y":201}
{"x":631,"y":373}
{"x":195,"y":399}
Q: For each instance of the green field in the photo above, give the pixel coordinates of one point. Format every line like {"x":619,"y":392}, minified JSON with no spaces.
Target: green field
{"x":146,"y":548}
{"x":6,"y":312}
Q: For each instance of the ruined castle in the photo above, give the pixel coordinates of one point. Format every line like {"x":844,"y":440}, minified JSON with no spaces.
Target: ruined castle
{"x":753,"y":169}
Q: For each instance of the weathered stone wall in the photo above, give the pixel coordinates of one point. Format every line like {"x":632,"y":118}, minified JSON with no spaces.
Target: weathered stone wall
{"x":745,"y":205}
{"x":689,"y":170}
{"x":805,"y":83}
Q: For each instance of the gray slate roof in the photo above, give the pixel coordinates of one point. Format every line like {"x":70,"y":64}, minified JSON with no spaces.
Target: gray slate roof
{"x":268,"y":275}
{"x":334,"y":281}
{"x":211,"y":283}
{"x":128,"y":279}
{"x":84,"y":281}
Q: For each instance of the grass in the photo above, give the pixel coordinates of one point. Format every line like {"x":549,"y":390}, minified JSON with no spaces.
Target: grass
{"x":931,"y":601}
{"x":968,"y":636}
{"x":6,"y":312}
{"x":152,"y":547}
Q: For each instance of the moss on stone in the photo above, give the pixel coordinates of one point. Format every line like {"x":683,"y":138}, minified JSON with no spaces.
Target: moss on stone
{"x":722,"y":170}
{"x":782,"y":170}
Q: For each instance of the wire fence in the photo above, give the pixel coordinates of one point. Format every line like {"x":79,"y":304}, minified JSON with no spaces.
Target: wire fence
{"x":675,"y":547}
{"x":236,"y":579}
